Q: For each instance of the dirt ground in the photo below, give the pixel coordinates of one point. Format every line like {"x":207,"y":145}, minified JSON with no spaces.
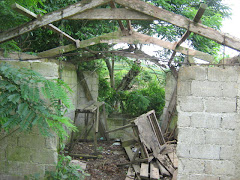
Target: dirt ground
{"x":110,"y":154}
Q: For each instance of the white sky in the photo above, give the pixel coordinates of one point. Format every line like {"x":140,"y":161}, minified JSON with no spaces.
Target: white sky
{"x":232,"y":26}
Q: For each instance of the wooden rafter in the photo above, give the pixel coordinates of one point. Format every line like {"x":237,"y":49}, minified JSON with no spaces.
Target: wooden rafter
{"x":182,"y":22}
{"x":113,"y":6}
{"x":111,"y":14}
{"x":32,"y":15}
{"x":196,"y":19}
{"x":134,"y":38}
{"x":50,"y":18}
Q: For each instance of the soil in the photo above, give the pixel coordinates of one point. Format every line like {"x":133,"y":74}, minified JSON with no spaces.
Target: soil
{"x":110,"y":154}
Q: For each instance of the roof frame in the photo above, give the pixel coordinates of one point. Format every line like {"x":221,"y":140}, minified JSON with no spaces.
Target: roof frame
{"x":134,"y":8}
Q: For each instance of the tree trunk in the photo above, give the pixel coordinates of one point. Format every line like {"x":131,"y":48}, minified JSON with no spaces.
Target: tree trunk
{"x":133,"y":72}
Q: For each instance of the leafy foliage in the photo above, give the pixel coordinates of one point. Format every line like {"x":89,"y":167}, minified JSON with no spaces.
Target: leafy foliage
{"x":28,"y":99}
{"x":65,"y":170}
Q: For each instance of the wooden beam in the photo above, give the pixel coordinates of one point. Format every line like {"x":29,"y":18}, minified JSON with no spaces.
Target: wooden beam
{"x":182,"y":22}
{"x":51,"y":17}
{"x":32,"y":15}
{"x":106,"y":38}
{"x":145,"y":39}
{"x":111,"y":14}
{"x":134,"y":38}
{"x":196,"y":19}
{"x":84,"y":84}
{"x":113,"y":6}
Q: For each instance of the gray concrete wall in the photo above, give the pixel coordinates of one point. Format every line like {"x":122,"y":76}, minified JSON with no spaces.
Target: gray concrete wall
{"x":28,"y":153}
{"x":208,"y":123}
{"x":24,"y":154}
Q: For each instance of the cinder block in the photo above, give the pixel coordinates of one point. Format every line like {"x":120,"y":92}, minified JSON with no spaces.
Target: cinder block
{"x":192,"y":73}
{"x":221,"y":105}
{"x":10,"y":177}
{"x":222,"y":74}
{"x":190,"y":104}
{"x":229,"y":121}
{"x":184,"y":88}
{"x":184,"y":119}
{"x":206,"y":89}
{"x":220,"y":137}
{"x":27,"y":168}
{"x":3,"y":167}
{"x":205,"y":120}
{"x":191,"y":136}
{"x":2,"y":155}
{"x":18,"y":154}
{"x":183,"y":150}
{"x":47,"y":69}
{"x":190,"y":166}
{"x":182,"y":177}
{"x":227,"y":153}
{"x":45,"y":156}
{"x":31,"y":141}
{"x":51,"y":143}
{"x":230,"y":89}
{"x":204,"y":151}
{"x":203,"y":177}
{"x":220,"y":167}
{"x":18,"y":64}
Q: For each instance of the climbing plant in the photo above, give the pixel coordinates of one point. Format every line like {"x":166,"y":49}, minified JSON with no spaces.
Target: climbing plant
{"x":27,"y":99}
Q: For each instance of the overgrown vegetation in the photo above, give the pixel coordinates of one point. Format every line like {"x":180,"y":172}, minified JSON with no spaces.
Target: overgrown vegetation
{"x":144,"y":93}
{"x":27,"y":99}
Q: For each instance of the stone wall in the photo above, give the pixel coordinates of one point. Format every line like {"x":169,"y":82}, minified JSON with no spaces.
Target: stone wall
{"x":31,"y":153}
{"x":208,"y":123}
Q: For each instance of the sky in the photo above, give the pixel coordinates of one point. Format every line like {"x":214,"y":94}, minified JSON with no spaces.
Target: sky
{"x":232,"y":26}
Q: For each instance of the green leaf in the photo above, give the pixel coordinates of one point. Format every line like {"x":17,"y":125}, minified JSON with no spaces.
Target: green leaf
{"x":14,"y":98}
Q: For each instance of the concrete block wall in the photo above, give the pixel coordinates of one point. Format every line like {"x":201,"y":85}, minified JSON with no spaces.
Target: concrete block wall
{"x":208,"y":123}
{"x":28,"y":153}
{"x":24,"y":154}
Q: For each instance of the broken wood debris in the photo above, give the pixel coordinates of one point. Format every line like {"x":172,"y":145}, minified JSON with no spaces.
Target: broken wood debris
{"x":150,"y":156}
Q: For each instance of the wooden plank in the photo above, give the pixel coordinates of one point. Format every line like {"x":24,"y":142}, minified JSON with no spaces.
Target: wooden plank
{"x":175,"y":175}
{"x":196,"y":19}
{"x":145,"y":39}
{"x":154,"y":171}
{"x":130,"y":174}
{"x":111,"y":14}
{"x":173,"y":158}
{"x":84,"y":84}
{"x":121,"y":128}
{"x":32,"y":15}
{"x":106,"y":38}
{"x":130,"y":156}
{"x":50,"y":18}
{"x":129,"y":142}
{"x":163,"y":170}
{"x":164,"y":161}
{"x":145,"y":160}
{"x":144,"y":171}
{"x":97,"y":120}
{"x":112,"y":5}
{"x":158,"y":129}
{"x":182,"y":22}
{"x":105,"y":121}
{"x":135,"y":37}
